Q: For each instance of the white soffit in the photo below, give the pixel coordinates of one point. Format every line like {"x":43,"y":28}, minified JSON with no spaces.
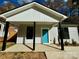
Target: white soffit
{"x":31,"y":15}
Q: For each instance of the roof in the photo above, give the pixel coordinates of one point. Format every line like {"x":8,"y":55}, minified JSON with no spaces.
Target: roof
{"x":29,"y":9}
{"x":2,"y":19}
{"x":71,"y":20}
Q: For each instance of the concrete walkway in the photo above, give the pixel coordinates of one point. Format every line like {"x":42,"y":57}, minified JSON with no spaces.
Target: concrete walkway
{"x":70,"y":52}
{"x":52,"y":51}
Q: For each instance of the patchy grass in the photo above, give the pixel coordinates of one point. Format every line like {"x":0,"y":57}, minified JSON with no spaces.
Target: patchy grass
{"x":23,"y":55}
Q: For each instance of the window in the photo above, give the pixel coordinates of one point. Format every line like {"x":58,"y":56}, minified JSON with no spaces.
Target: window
{"x":65,"y":34}
{"x":29,"y":32}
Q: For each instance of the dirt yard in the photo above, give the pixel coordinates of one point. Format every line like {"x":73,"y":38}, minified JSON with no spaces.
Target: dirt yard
{"x":22,"y":55}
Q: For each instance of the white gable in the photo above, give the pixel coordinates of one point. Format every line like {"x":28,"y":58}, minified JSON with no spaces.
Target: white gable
{"x":31,"y":15}
{"x":33,"y":12}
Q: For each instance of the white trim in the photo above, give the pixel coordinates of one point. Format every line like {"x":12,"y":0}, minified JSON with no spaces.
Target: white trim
{"x":48,"y":35}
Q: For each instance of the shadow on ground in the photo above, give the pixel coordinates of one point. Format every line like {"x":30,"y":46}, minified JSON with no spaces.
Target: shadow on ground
{"x":52,"y":46}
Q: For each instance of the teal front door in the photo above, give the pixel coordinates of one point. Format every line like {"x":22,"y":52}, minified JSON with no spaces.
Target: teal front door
{"x":45,"y":36}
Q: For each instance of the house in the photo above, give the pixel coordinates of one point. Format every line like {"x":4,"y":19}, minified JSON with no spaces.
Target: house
{"x":72,"y":29}
{"x":35,"y":23}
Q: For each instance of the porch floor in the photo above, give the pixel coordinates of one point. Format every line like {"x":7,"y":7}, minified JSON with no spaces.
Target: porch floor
{"x":28,"y":48}
{"x":51,"y":51}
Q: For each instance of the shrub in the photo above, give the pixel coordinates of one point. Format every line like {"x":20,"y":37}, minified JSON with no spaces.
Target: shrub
{"x":66,"y":43}
{"x":54,"y":41}
{"x":74,"y":42}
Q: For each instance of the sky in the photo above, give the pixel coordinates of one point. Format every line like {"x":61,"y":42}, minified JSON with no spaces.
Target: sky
{"x":18,"y":3}
{"x":21,"y":2}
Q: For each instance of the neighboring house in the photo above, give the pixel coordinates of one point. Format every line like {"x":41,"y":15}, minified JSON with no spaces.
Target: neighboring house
{"x":35,"y":21}
{"x":72,"y":28}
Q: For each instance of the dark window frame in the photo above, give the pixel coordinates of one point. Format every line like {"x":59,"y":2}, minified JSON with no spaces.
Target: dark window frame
{"x":30,"y":32}
{"x":65,"y":32}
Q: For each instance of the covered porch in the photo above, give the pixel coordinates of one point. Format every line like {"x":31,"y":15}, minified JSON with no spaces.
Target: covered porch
{"x":35,"y":32}
{"x":37,"y":17}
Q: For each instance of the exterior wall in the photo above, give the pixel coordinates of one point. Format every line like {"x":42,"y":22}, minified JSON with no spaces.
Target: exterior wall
{"x":53,"y":34}
{"x":22,"y":33}
{"x":73,"y":32}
